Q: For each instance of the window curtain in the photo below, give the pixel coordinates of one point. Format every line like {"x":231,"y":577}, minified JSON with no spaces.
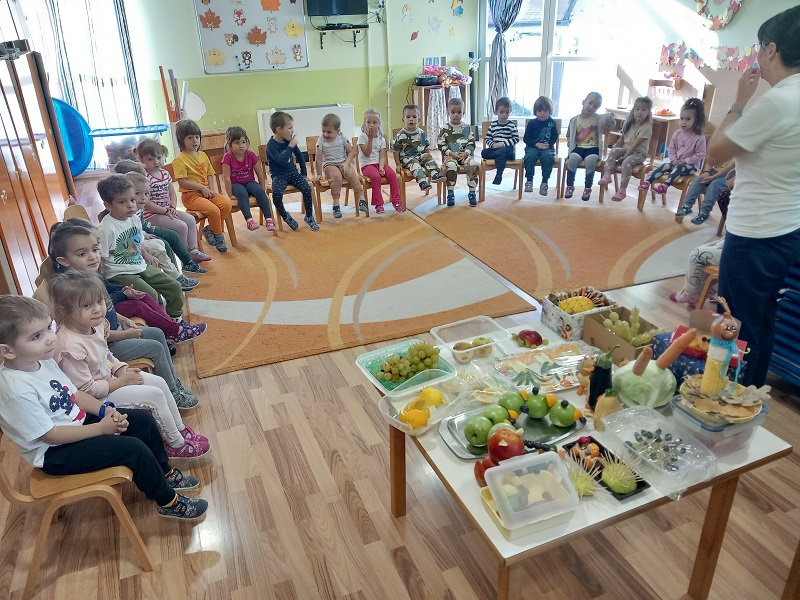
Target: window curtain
{"x":504,"y":13}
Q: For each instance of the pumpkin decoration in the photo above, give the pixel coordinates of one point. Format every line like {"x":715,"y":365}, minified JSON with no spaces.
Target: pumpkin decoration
{"x":721,"y":348}
{"x":607,"y":403}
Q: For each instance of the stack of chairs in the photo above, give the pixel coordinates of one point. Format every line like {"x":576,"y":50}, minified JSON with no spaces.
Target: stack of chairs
{"x":786,"y":353}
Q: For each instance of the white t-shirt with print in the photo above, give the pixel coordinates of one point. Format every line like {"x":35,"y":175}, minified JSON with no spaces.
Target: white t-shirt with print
{"x":120,"y":243}
{"x":378,"y":144}
{"x":765,"y":202}
{"x":333,"y":152}
{"x":32,"y":403}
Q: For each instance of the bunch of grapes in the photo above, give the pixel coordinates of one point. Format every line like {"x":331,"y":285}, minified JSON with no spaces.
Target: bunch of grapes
{"x":629,"y":330}
{"x":399,"y":367}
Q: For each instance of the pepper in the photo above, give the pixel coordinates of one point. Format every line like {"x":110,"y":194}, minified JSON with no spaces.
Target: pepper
{"x":600,"y":377}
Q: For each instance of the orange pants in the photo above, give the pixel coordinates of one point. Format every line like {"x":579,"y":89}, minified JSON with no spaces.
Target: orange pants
{"x":216,"y":209}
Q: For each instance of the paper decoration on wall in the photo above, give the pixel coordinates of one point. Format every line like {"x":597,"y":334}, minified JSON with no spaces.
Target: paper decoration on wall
{"x":206,"y":1}
{"x":414,"y":35}
{"x":458,"y":8}
{"x":676,"y":53}
{"x":408,"y":16}
{"x":733,"y":58}
{"x":452,"y":31}
{"x":238,"y":36}
{"x":717,"y":20}
{"x":434,"y":24}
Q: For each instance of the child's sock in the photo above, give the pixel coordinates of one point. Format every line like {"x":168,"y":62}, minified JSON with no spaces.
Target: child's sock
{"x":171,"y":504}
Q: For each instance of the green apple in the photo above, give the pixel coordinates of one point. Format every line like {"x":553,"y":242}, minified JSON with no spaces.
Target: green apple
{"x":537,"y":406}
{"x":499,"y":426}
{"x":496,"y":414}
{"x":563,"y":414}
{"x":482,"y":347}
{"x":477,"y":431}
{"x":511,"y":401}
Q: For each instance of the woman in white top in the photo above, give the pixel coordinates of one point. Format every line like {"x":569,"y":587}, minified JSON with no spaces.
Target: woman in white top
{"x":763,"y":223}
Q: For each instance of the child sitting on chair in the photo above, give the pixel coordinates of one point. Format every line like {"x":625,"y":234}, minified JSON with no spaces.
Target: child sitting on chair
{"x":334,"y":162}
{"x":501,"y":140}
{"x":410,"y":147}
{"x":372,"y":157}
{"x":584,"y":137}
{"x":541,"y":135}
{"x":457,"y":144}
{"x":64,"y":431}
{"x":631,"y":148}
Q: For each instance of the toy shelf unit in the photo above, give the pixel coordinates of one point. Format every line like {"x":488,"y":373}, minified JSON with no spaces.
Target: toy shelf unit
{"x":786,"y":353}
{"x":121,"y":142}
{"x":308,"y":121}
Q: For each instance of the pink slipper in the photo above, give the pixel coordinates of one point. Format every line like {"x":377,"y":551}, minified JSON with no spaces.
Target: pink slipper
{"x":619,"y":196}
{"x":644,"y":186}
{"x":605,"y":180}
{"x":683,"y":297}
{"x":660,"y":188}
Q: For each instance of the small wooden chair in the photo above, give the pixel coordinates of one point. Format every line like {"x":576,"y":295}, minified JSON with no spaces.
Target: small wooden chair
{"x":216,"y":162}
{"x":404,"y":176}
{"x":488,"y":164}
{"x":290,"y":189}
{"x":76,"y":211}
{"x":713,"y":276}
{"x":323,"y":184}
{"x":57,"y":491}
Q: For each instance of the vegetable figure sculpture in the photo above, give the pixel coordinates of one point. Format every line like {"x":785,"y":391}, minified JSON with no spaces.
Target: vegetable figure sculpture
{"x":721,"y":348}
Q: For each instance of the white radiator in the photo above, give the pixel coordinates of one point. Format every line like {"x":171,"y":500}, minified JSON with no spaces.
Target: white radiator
{"x":308,"y":121}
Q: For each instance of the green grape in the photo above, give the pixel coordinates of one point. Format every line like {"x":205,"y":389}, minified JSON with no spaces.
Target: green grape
{"x":614,"y":316}
{"x":607,"y":323}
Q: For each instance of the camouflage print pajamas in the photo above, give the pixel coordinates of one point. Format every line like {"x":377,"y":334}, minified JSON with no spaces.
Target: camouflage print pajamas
{"x":412,"y":146}
{"x":458,"y":138}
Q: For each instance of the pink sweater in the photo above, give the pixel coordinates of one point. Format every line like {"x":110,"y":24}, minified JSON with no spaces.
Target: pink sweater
{"x":86,"y":359}
{"x":687,"y":147}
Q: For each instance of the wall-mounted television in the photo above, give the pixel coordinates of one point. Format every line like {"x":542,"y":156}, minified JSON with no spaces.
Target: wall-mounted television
{"x":330,"y":8}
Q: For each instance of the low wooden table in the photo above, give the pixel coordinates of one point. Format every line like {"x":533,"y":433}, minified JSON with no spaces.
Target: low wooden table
{"x":457,"y":476}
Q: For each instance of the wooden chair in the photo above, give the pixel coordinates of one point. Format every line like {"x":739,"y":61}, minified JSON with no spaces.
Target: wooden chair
{"x":440,"y":189}
{"x":76,"y":211}
{"x":323,"y":184}
{"x":56,"y":491}
{"x":366,"y":182}
{"x":488,"y":164}
{"x":216,"y":162}
{"x":290,"y":189}
{"x":404,"y":176}
{"x":713,"y":276}
{"x":681,"y":183}
{"x":609,"y":138}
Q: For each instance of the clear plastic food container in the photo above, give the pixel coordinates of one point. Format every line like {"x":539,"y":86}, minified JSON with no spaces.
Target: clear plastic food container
{"x":720,"y":439}
{"x":468,"y":331}
{"x":531,"y":488}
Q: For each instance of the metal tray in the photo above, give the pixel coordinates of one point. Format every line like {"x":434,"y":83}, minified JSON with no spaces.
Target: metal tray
{"x":538,"y":430}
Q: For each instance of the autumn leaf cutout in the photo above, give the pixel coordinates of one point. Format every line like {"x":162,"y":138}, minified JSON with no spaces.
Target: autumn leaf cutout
{"x":209,"y":20}
{"x":256,"y":36}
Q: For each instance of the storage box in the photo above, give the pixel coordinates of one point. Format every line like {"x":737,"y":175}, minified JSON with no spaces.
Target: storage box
{"x":569,"y":327}
{"x":466,"y":331}
{"x":720,"y":439}
{"x":121,"y":142}
{"x":531,"y":488}
{"x":598,"y":335}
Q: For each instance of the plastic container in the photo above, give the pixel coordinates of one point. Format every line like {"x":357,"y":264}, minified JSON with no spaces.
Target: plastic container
{"x":720,"y":439}
{"x":121,"y":142}
{"x":532,"y":488}
{"x":391,"y":407}
{"x":466,"y":331}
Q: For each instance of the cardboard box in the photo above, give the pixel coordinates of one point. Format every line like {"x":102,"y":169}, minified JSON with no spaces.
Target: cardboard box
{"x":596,"y":334}
{"x":569,"y":327}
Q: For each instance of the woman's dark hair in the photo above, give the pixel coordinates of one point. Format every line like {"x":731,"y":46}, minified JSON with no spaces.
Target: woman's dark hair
{"x":784,"y":31}
{"x":234,"y":133}
{"x":696,"y":105}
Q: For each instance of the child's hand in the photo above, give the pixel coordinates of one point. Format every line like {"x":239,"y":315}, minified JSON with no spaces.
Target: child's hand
{"x":706,"y":178}
{"x":498,"y":145}
{"x":133,"y":333}
{"x":171,"y":213}
{"x":130,"y":376}
{"x":122,"y":422}
{"x":372,"y":131}
{"x":382,"y":171}
{"x":149,"y":236}
{"x":207,"y":193}
{"x":131,"y":293}
{"x":293,"y":141}
{"x":543,"y":145}
{"x":150,"y":260}
{"x":109,"y":424}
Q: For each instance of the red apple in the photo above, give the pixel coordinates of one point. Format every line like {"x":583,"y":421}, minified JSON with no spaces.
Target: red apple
{"x":504,"y":444}
{"x":480,"y":469}
{"x":531,"y":338}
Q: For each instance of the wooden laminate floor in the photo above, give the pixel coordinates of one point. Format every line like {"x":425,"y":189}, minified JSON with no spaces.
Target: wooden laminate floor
{"x":298,"y":485}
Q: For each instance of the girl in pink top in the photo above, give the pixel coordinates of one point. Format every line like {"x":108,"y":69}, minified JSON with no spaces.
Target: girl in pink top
{"x":240,"y":167}
{"x":686,"y":149}
{"x":79,"y":304}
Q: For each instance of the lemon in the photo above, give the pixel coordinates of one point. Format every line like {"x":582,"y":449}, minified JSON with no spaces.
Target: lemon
{"x":432,"y":396}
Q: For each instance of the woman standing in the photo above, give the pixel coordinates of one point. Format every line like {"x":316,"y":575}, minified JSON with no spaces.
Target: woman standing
{"x":763,"y":224}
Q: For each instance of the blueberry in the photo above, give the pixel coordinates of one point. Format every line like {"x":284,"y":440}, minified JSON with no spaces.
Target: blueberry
{"x":582,"y":420}
{"x":658,"y":431}
{"x":657,"y":440}
{"x":648,"y":434}
{"x":534,"y":390}
{"x":530,"y":444}
{"x":524,"y":408}
{"x":512,"y":420}
{"x":668,"y":437}
{"x":564,"y":403}
{"x":638,"y":436}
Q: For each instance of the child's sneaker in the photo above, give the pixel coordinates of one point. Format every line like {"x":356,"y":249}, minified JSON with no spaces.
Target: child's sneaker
{"x":188,"y":332}
{"x":362,"y":205}
{"x":337,"y":212}
{"x":529,"y":186}
{"x":185,"y":451}
{"x":644,"y":186}
{"x":660,"y":188}
{"x":171,"y":347}
{"x":178,"y":481}
{"x":193,"y":267}
{"x":619,"y":196}
{"x":436,"y":176}
{"x":190,"y":435}
{"x":252,"y":225}
{"x":379,"y":208}
{"x":700,"y":219}
{"x":473,"y":199}
{"x":187,"y":283}
{"x":498,"y":179}
{"x":309,"y":219}
{"x":269,"y":224}
{"x":587,"y":193}
{"x":199,"y":257}
{"x":451,"y":198}
{"x":209,"y":236}
{"x":570,"y":189}
{"x":424,"y":185}
{"x":543,"y":189}
{"x":221,"y":245}
{"x":398,"y":205}
{"x":287,"y":218}
{"x":184,"y":508}
{"x":184,"y":400}
{"x":605,"y":179}
{"x":683,"y":297}
{"x":684,"y":211}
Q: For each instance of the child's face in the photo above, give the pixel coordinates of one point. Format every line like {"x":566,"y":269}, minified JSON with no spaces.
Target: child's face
{"x":543,"y":114}
{"x":142,"y":194}
{"x":286,"y":132}
{"x":503,"y":113}
{"x":455,"y":112}
{"x":687,"y":120}
{"x":90,"y":312}
{"x":371,"y":122}
{"x":640,"y":112}
{"x":410,"y":118}
{"x":329,"y":133}
{"x":82,"y":253}
{"x":590,"y":105}
{"x":152,"y":163}
{"x":36,"y":342}
{"x":239,"y":147}
{"x":191,"y":143}
{"x":123,"y":205}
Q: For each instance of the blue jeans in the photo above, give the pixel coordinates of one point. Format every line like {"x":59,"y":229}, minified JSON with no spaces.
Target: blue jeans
{"x":500,"y":156}
{"x":673,"y":173}
{"x":545,"y":157}
{"x":243,"y":191}
{"x":712,"y":191}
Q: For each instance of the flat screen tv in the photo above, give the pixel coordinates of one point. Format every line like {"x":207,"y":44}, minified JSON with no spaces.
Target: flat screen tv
{"x":330,"y":8}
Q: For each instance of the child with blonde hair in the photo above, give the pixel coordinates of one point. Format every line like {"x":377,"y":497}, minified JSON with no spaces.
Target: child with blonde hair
{"x":584,"y":138}
{"x":541,"y":135}
{"x":457,"y":144}
{"x":334,"y":162}
{"x":631,"y":148}
{"x":372,"y":155}
{"x":193,"y":171}
{"x":240,"y":168}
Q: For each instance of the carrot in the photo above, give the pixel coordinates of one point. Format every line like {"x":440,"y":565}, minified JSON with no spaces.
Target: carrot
{"x":675,"y":349}
{"x":641,"y":361}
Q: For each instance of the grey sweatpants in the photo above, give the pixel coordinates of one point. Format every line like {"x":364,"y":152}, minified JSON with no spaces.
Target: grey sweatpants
{"x":152,"y":345}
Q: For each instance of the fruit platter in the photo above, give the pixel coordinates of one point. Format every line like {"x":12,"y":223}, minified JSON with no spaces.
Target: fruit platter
{"x":549,"y":368}
{"x":543,"y":420}
{"x":475,"y":338}
{"x":605,"y":468}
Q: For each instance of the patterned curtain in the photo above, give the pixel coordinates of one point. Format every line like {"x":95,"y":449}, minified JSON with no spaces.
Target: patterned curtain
{"x":504,"y":13}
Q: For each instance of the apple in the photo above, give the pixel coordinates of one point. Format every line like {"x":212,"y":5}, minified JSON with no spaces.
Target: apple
{"x":537,"y":406}
{"x":480,"y":470}
{"x":502,"y":425}
{"x":463,"y":352}
{"x":531,"y":338}
{"x":563,"y":414}
{"x":496,"y":414}
{"x":504,"y":444}
{"x":482,"y":347}
{"x":477,"y":431}
{"x":511,"y":401}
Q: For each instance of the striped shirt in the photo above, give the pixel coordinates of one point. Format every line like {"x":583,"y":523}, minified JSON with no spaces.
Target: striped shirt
{"x":506,"y":133}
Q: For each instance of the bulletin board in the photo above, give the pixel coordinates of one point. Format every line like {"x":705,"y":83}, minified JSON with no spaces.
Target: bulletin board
{"x":251,"y":35}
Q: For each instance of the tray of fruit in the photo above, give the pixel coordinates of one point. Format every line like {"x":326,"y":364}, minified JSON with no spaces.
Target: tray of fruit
{"x":549,"y":368}
{"x":543,"y":418}
{"x":428,"y":407}
{"x":605,"y":468}
{"x":405,"y":368}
